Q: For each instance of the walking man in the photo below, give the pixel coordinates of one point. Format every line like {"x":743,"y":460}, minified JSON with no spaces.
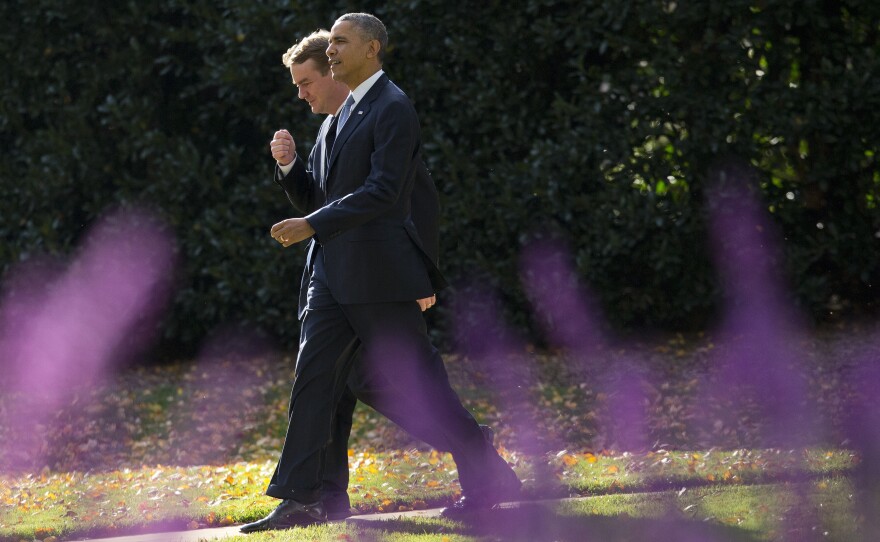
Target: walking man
{"x":310,"y":71}
{"x":365,"y":266}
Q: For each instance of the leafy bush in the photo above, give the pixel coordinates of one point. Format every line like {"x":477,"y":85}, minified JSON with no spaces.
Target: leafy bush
{"x":597,"y":121}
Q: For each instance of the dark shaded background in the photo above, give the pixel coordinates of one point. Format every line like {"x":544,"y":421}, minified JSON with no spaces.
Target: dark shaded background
{"x":601,"y":123}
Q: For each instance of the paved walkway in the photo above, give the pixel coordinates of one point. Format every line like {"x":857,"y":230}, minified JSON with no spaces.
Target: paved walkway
{"x":219,"y":533}
{"x":180,"y":536}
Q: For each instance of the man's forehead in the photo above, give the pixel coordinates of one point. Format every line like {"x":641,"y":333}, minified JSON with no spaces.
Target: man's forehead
{"x":305,"y":72}
{"x":341,"y":28}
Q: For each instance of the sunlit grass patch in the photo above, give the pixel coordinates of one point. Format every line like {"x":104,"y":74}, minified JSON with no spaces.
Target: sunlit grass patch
{"x":132,"y":499}
{"x":766,"y":511}
{"x":401,"y":480}
{"x":590,"y":473}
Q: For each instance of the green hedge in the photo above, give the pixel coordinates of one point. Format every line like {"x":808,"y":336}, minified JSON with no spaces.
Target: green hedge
{"x":597,"y":121}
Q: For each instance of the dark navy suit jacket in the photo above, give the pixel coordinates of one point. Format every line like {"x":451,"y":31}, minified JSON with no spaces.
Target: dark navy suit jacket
{"x":360,"y":204}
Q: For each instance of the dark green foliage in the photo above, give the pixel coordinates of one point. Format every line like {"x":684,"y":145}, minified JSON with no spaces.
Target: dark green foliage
{"x":597,"y":121}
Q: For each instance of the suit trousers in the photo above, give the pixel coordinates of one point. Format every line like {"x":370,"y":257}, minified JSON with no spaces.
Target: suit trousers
{"x":374,"y":390}
{"x":394,"y":342}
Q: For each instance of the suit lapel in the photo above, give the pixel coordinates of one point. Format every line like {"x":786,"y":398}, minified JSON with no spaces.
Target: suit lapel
{"x":357,"y":115}
{"x":322,"y":142}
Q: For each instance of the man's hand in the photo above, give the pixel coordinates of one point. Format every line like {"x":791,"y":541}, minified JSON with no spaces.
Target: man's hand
{"x":427,"y":302}
{"x":283,"y":147}
{"x":292,"y":230}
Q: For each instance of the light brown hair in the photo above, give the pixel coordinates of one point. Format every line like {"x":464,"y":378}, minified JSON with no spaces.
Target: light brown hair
{"x":312,"y":47}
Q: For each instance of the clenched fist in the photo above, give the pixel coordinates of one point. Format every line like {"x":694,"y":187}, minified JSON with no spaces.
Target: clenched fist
{"x":283,"y":147}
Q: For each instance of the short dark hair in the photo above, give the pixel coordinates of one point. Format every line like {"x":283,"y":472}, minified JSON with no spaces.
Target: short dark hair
{"x":312,"y":47}
{"x":370,"y":28}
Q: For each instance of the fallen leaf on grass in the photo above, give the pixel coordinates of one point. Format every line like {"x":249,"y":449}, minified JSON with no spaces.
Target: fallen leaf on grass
{"x":569,"y":460}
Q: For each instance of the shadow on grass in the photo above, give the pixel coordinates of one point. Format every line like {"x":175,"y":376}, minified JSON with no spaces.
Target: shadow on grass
{"x":535,"y":522}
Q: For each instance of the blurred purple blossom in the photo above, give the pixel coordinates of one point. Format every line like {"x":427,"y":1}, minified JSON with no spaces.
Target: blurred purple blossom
{"x":66,"y":327}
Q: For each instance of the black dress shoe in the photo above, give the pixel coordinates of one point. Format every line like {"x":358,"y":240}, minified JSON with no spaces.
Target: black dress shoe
{"x":467,"y":504}
{"x":287,"y":515}
{"x":484,"y":498}
{"x":337,"y":505}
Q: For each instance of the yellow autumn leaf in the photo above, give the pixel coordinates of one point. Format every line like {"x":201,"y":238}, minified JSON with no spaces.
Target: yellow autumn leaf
{"x":612,"y":469}
{"x":591,"y":458}
{"x":569,"y":460}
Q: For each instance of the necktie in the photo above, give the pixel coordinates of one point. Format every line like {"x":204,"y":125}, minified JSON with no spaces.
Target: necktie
{"x":329,"y":138}
{"x":335,"y":128}
{"x":346,"y":111}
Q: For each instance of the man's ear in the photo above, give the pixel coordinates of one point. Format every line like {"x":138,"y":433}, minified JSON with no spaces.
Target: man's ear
{"x":373,"y":49}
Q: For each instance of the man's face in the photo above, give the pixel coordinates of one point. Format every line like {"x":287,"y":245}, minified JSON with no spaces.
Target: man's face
{"x":314,"y":87}
{"x":350,"y":55}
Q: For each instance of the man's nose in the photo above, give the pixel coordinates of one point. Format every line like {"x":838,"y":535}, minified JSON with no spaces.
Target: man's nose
{"x":301,"y":93}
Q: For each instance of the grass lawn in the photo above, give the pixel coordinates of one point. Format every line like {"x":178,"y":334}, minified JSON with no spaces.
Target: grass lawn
{"x":719,"y":513}
{"x":186,"y":498}
{"x":188,"y":445}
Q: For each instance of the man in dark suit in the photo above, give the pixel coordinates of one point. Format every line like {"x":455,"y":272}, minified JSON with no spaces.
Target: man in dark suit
{"x":366,"y":264}
{"x":310,"y":71}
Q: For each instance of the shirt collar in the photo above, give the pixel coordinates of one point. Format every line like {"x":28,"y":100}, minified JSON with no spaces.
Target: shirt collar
{"x":365,"y":87}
